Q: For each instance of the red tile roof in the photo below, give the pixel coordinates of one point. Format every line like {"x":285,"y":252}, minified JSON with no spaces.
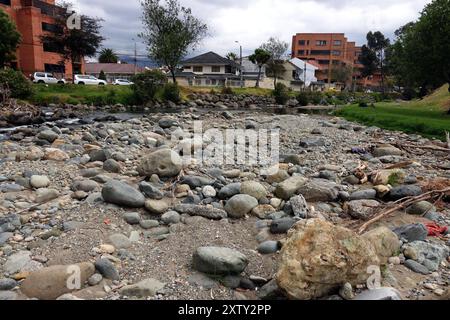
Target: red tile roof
{"x":112,"y":68}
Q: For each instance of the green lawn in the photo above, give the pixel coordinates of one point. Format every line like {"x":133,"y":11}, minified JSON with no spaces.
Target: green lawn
{"x":427,"y":117}
{"x":74,"y":94}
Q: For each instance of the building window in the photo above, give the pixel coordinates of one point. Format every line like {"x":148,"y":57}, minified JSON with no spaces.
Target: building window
{"x":215,"y":69}
{"x":301,"y":52}
{"x":187,"y":68}
{"x":321,"y":43}
{"x":337,"y":42}
{"x":214,"y":82}
{"x":301,"y":42}
{"x":54,"y":68}
{"x":336,"y":53}
{"x":320,"y":52}
{"x":208,"y":82}
{"x":51,"y":47}
{"x":6,"y":2}
{"x":51,"y":27}
{"x":324,"y":61}
{"x":198,"y":69}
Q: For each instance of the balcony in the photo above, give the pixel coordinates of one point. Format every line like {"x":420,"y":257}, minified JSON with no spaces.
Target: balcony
{"x":46,"y":8}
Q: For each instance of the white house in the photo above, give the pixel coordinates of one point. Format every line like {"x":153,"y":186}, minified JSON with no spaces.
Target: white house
{"x":304,"y":71}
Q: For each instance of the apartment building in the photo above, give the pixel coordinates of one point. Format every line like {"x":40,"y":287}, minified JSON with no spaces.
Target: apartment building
{"x":327,"y":50}
{"x":33,"y":18}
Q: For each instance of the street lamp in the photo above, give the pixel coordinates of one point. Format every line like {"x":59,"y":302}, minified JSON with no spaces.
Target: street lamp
{"x":240,"y":58}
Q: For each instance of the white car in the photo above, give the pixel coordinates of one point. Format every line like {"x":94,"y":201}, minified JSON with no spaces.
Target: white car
{"x":88,"y":80}
{"x":47,"y":78}
{"x":122,"y":82}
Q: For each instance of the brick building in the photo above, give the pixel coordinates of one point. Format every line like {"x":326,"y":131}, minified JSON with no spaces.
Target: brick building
{"x":33,"y":18}
{"x":326,"y":50}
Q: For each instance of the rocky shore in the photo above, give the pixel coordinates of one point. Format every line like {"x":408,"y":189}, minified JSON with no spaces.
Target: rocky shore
{"x":113,"y":200}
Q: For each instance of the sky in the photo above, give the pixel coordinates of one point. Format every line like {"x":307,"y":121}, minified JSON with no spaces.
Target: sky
{"x":252,"y":22}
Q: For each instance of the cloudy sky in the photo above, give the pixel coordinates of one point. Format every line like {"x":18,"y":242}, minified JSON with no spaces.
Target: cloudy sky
{"x":252,"y":22}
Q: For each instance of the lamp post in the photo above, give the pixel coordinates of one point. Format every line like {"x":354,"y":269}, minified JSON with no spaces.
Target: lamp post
{"x":240,"y":58}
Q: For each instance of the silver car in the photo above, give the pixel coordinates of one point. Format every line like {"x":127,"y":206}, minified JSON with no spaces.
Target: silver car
{"x":122,"y":82}
{"x":47,"y":78}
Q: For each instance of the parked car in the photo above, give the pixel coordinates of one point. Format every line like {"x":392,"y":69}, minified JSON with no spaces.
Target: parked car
{"x":47,"y":78}
{"x":88,"y":80}
{"x":122,"y":82}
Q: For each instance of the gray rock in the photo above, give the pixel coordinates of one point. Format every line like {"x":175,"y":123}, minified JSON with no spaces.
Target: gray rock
{"x":229,"y":190}
{"x":416,"y":267}
{"x":203,"y":211}
{"x":383,"y":293}
{"x":412,"y":232}
{"x":95,"y":279}
{"x":281,"y":225}
{"x":120,"y":241}
{"x":219,"y":260}
{"x":84,"y":185}
{"x":362,"y":209}
{"x":145,"y":288}
{"x":98,"y":155}
{"x":150,"y":190}
{"x":7,"y":295}
{"x":434,"y":216}
{"x":363,"y":194}
{"x":231,"y":281}
{"x":202,"y":280}
{"x":167,"y":122}
{"x":239,"y":205}
{"x":420,"y":208}
{"x":268,"y":247}
{"x":112,"y":165}
{"x":17,"y":262}
{"x":132,"y":217}
{"x":426,"y":253}
{"x":72,"y":225}
{"x":299,"y":206}
{"x":254,"y":189}
{"x":148,"y":224}
{"x":107,"y":269}
{"x":270,"y":291}
{"x":402,"y":191}
{"x":5,"y":236}
{"x":156,"y":232}
{"x":44,"y":195}
{"x":7,"y":284}
{"x":312,"y":142}
{"x":386,"y":151}
{"x":10,"y":187}
{"x":209,"y":192}
{"x":196,"y":181}
{"x":48,"y":135}
{"x":319,"y":190}
{"x":164,"y":163}
{"x":289,"y":187}
{"x":171,"y":217}
{"x":120,"y":193}
{"x":37,"y":181}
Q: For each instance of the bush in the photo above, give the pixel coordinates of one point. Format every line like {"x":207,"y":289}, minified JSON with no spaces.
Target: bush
{"x":281,"y":94}
{"x":19,"y":86}
{"x":363,"y":104}
{"x":147,"y":84}
{"x":227,"y":90}
{"x":409,"y":94}
{"x":303,"y":98}
{"x":171,"y":92}
{"x":315,"y":97}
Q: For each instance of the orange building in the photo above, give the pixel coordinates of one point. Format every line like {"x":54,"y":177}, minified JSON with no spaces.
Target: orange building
{"x":33,"y":18}
{"x":327,"y":50}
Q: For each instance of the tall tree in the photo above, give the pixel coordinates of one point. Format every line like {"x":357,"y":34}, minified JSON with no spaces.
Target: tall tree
{"x":232,"y":56}
{"x":342,"y":73}
{"x":420,"y":55}
{"x":260,"y":58}
{"x":378,"y":43}
{"x":277,"y":49}
{"x":9,"y":39}
{"x":74,"y":43}
{"x":170,"y":32}
{"x":108,"y":56}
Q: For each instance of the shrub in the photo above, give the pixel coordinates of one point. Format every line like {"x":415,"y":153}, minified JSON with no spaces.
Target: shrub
{"x":147,"y":84}
{"x":363,"y":104}
{"x":315,"y":97}
{"x":227,"y":90}
{"x":409,"y":94}
{"x":171,"y":92}
{"x":19,"y":86}
{"x":303,"y":98}
{"x":281,"y":94}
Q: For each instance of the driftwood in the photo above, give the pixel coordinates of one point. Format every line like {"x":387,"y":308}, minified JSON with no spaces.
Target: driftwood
{"x":435,"y":148}
{"x":403,"y":203}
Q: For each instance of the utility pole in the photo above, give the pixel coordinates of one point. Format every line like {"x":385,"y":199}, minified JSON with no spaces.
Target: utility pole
{"x":304,"y":77}
{"x":240,"y":70}
{"x":135,"y":57}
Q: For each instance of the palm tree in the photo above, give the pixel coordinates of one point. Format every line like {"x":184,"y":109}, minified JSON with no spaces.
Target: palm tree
{"x":232,"y":56}
{"x":108,"y":56}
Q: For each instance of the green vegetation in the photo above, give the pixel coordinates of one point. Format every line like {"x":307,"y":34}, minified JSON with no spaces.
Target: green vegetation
{"x":428,"y":117}
{"x":171,"y":92}
{"x":146,"y":85}
{"x":9,"y":39}
{"x":13,"y":84}
{"x":281,"y":94}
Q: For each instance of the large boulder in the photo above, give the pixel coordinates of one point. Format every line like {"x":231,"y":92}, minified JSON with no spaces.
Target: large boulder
{"x":319,"y":190}
{"x":318,"y":257}
{"x":289,"y":187}
{"x":428,"y":254}
{"x":384,"y":241}
{"x":120,"y":193}
{"x":362,"y":209}
{"x":51,"y":282}
{"x":219,"y":260}
{"x":164,"y":163}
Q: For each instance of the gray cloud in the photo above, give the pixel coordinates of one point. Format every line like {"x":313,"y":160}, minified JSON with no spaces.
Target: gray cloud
{"x":253,"y":21}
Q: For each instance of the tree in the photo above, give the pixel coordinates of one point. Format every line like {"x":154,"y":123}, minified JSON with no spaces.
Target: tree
{"x":75,"y":43}
{"x":368,"y":59}
{"x":232,"y":56}
{"x":420,"y":55}
{"x":260,"y":58}
{"x":9,"y":39}
{"x":277,"y":50}
{"x":171,"y":31}
{"x":102,"y":75}
{"x":342,"y":73}
{"x":108,"y":56}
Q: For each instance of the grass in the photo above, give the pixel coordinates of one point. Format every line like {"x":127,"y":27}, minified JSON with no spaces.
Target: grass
{"x":239,"y":91}
{"x":427,"y":117}
{"x":74,"y":94}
